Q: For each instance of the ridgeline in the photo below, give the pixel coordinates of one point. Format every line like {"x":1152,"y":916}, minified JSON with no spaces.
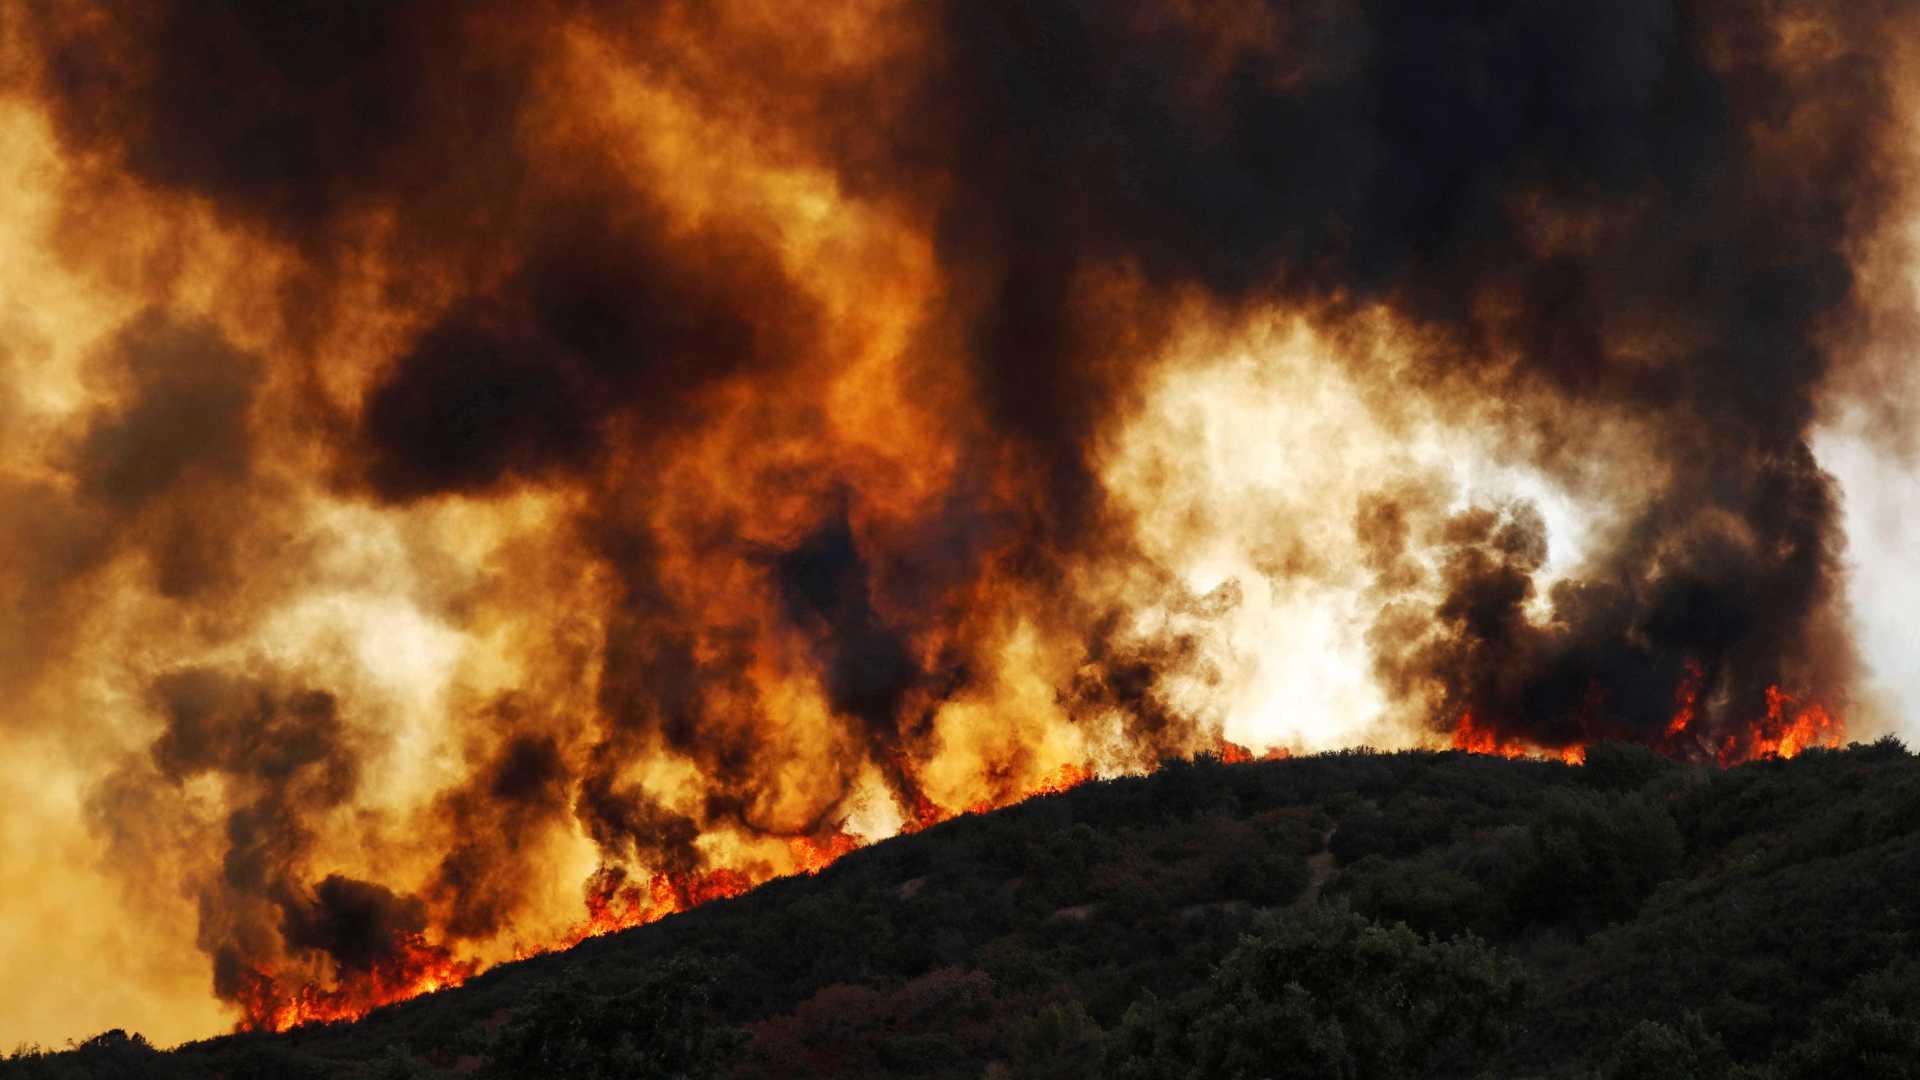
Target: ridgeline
{"x":1350,"y":915}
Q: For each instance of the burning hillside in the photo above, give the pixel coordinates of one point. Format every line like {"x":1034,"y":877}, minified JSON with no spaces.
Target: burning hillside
{"x":477,"y":476}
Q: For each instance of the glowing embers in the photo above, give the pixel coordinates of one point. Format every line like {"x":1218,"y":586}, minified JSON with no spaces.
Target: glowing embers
{"x":412,"y":969}
{"x":1475,"y":738}
{"x":1785,"y":731}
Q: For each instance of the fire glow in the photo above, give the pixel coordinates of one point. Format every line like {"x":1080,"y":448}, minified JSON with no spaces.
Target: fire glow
{"x":1474,"y":739}
{"x":1785,"y":730}
{"x":614,"y":904}
{"x":412,"y":968}
{"x":457,"y":464}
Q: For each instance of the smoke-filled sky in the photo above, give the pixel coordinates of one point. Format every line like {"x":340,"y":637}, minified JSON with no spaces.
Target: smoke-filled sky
{"x":465,"y":464}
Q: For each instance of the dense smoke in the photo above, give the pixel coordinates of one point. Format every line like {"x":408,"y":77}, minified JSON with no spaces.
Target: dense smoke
{"x":490,"y":446}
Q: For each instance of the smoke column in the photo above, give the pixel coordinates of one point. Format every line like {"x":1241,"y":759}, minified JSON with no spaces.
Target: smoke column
{"x":477,"y":475}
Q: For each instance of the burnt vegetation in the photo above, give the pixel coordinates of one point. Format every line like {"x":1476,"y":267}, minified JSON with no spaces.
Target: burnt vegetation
{"x":1350,"y":915}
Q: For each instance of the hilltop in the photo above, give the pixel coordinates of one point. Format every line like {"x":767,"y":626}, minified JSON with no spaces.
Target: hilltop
{"x":1356,"y":914}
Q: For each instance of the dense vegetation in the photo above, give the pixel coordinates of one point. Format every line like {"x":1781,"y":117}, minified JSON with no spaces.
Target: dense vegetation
{"x":1350,"y":915}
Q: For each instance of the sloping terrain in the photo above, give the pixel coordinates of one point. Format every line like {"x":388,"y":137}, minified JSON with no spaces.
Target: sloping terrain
{"x":1349,"y":915}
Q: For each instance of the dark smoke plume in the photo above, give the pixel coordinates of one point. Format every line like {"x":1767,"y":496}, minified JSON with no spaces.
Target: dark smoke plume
{"x":1593,"y":211}
{"x":494,"y":821}
{"x":284,"y":759}
{"x":1623,"y":237}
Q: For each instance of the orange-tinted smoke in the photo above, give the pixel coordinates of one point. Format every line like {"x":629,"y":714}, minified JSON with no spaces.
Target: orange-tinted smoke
{"x":476,"y":476}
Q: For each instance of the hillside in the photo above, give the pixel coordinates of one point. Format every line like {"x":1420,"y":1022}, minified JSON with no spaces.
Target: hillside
{"x":1349,"y":915}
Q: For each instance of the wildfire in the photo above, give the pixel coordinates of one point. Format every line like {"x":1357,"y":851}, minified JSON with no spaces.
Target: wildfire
{"x":615,"y":904}
{"x":670,"y":476}
{"x":926,"y":814}
{"x":1233,"y":753}
{"x":1784,"y":732}
{"x":1787,"y":729}
{"x":813,"y":856}
{"x":1685,"y":697}
{"x":1066,"y":775}
{"x":414,"y":968}
{"x":1475,"y":738}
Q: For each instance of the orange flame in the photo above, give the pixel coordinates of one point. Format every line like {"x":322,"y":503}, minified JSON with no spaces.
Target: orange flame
{"x":1686,"y":696}
{"x":1475,"y":738}
{"x":1783,"y":732}
{"x":1232,"y":752}
{"x":415,"y":968}
{"x":1786,"y":730}
{"x":613,"y":904}
{"x":1067,"y":775}
{"x":926,"y":814}
{"x":813,"y":856}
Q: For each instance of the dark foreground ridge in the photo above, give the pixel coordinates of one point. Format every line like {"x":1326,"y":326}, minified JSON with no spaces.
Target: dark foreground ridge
{"x":1350,"y":915}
